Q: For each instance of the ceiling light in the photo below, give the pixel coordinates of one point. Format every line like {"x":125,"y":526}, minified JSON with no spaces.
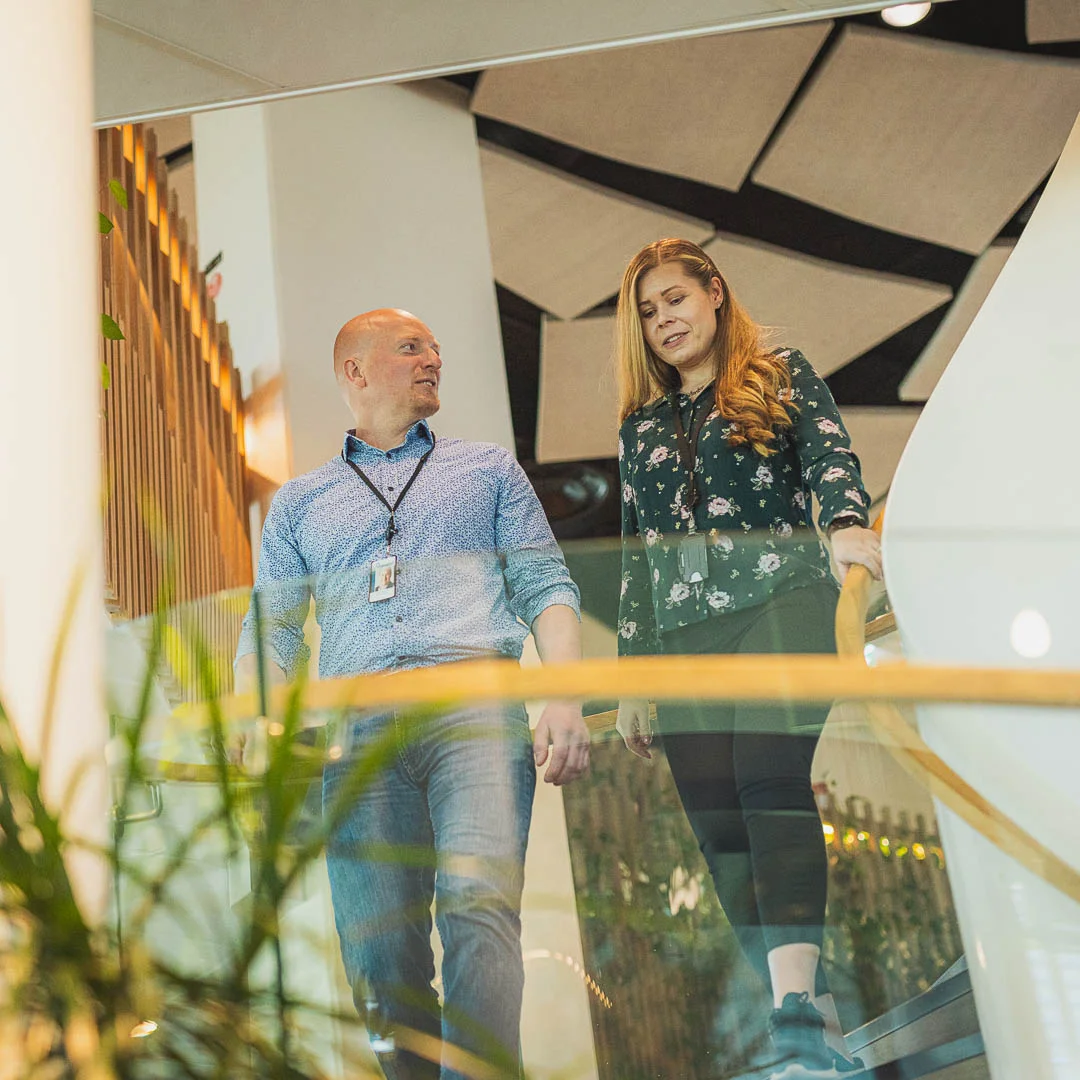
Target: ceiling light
{"x":905,"y":14}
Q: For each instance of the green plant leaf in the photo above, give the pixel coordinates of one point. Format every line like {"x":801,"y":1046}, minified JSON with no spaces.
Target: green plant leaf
{"x":119,"y":193}
{"x":106,"y":378}
{"x":104,"y":224}
{"x":110,"y":328}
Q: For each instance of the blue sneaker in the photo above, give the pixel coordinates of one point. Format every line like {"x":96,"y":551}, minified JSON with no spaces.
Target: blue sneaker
{"x":797,"y":1031}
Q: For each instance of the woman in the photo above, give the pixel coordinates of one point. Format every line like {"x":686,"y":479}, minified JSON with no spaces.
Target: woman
{"x":729,"y":562}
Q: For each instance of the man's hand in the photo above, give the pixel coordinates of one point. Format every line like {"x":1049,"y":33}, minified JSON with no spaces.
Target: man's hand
{"x":563,"y":730}
{"x":634,"y":726}
{"x":245,"y":744}
{"x":857,"y":546}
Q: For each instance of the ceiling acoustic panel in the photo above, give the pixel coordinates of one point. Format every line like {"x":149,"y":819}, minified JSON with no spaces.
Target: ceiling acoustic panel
{"x":833,"y":313}
{"x":563,"y":243}
{"x":700,"y":108}
{"x":577,"y":418}
{"x":929,"y":139}
{"x":1053,"y":20}
{"x":920,"y":381}
{"x":878,"y":437}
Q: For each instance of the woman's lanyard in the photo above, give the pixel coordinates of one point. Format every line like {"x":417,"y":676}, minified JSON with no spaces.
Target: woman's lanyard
{"x":391,"y":528}
{"x":693,"y":554}
{"x":688,"y":453}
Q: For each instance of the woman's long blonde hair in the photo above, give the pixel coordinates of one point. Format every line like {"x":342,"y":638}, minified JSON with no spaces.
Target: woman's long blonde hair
{"x":751,"y":382}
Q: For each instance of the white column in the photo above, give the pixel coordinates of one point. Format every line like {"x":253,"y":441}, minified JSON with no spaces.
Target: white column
{"x":982,"y":557}
{"x":328,"y":206}
{"x":50,"y":461}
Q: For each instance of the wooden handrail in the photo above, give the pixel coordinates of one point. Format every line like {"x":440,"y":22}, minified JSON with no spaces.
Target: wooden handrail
{"x":735,"y":678}
{"x":798,"y":677}
{"x":913,"y":753}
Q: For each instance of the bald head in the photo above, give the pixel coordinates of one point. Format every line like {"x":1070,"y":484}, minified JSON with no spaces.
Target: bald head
{"x":387,"y":366}
{"x":358,"y":334}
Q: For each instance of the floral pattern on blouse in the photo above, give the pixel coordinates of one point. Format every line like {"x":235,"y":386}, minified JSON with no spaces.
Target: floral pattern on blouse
{"x":754,"y":511}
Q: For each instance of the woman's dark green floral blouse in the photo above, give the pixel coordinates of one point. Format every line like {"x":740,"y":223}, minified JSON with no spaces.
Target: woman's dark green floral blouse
{"x":755,"y":511}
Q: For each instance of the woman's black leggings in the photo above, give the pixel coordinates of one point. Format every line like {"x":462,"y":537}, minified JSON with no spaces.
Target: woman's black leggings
{"x":743,"y":775}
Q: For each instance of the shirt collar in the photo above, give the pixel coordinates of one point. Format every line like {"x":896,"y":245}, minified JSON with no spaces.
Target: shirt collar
{"x":419,"y":432}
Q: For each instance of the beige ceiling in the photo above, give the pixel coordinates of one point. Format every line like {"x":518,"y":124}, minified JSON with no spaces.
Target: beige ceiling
{"x":187,"y":54}
{"x":937,"y":141}
{"x":878,"y":437}
{"x":576,"y":417}
{"x":1053,"y":20}
{"x":832,"y":313}
{"x":700,"y":108}
{"x":920,"y":381}
{"x":560,"y":242}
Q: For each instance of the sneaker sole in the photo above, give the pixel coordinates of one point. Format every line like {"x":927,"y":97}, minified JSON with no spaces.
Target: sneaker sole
{"x":796,"y":1071}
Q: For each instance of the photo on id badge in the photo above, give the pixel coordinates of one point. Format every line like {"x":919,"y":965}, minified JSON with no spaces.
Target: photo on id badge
{"x":383,"y":584}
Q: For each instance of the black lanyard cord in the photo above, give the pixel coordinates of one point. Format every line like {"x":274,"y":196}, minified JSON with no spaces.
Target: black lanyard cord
{"x":391,"y":528}
{"x":688,"y":447}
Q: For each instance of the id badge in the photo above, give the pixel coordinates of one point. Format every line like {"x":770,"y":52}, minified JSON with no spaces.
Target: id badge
{"x":383,"y":583}
{"x":693,"y":558}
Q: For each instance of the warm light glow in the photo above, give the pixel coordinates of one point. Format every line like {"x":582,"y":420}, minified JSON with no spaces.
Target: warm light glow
{"x":905,"y":14}
{"x":334,"y":753}
{"x":575,"y":966}
{"x":1030,"y":634}
{"x":827,"y":829}
{"x":276,"y":729}
{"x":143,"y":1028}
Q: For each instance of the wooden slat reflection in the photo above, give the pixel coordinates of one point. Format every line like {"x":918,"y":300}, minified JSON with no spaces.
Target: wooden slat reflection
{"x":175,"y":511}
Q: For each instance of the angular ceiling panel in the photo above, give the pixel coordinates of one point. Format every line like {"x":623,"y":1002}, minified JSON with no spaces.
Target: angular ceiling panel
{"x":924,"y":138}
{"x":560,"y":242}
{"x":700,"y":108}
{"x":878,"y":437}
{"x":577,"y":416}
{"x":920,"y":381}
{"x":832,"y":313}
{"x":1053,"y":20}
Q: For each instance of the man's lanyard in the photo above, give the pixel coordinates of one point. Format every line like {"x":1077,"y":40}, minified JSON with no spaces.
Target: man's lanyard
{"x":391,"y":528}
{"x":688,"y":451}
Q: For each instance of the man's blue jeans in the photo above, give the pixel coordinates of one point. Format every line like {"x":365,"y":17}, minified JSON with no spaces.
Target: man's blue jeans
{"x":445,"y":816}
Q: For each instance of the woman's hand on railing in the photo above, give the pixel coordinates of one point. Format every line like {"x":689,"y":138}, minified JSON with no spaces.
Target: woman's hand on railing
{"x":634,"y":726}
{"x":857,"y":547}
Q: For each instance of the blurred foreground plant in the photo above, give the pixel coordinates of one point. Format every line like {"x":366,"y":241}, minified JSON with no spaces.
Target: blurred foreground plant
{"x":91,"y":1002}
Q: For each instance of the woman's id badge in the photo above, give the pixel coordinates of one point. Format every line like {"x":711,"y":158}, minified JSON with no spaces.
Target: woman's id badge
{"x":383,"y":583}
{"x":693,"y":558}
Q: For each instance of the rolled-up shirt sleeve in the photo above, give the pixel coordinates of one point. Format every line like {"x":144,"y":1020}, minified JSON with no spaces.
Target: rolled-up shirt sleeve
{"x":284,"y":593}
{"x":534,"y":568}
{"x":829,"y":466}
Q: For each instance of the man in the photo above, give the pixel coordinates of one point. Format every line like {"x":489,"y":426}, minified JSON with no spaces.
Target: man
{"x":421,"y":551}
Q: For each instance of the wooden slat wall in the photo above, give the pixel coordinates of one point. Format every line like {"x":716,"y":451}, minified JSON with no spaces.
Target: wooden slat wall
{"x":176,"y":509}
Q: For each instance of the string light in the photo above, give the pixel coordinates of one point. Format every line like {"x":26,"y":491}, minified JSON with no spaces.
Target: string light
{"x":592,"y":985}
{"x":143,"y":1028}
{"x":889,"y":848}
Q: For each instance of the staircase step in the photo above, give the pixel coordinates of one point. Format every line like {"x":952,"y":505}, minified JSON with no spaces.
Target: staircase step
{"x":934,"y":1036}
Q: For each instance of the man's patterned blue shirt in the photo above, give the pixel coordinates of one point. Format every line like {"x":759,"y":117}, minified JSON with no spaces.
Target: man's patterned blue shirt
{"x":477,"y":560}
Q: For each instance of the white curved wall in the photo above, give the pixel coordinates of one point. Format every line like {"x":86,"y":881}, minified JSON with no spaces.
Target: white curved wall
{"x":983,"y":523}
